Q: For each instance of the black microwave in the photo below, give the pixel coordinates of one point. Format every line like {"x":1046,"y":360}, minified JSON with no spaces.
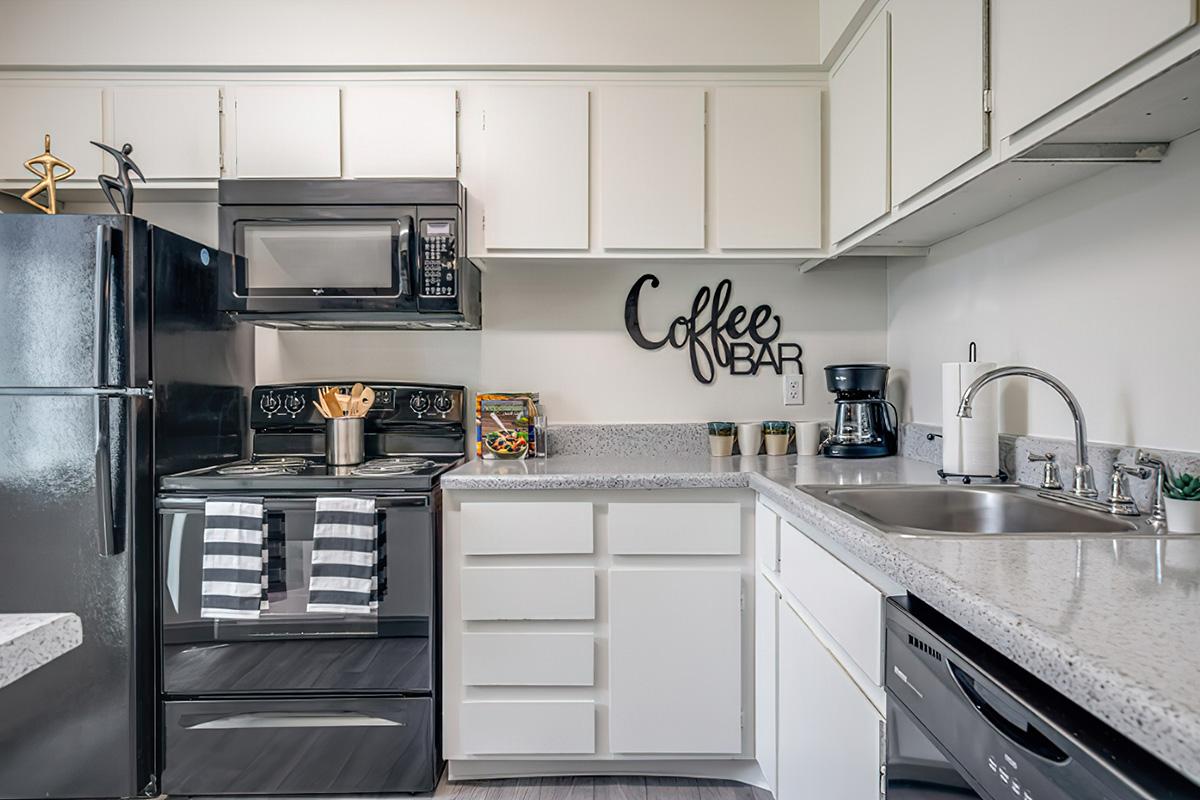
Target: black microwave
{"x":347,"y":254}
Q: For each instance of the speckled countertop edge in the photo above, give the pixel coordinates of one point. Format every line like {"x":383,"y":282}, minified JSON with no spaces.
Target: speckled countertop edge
{"x":1144,"y":714}
{"x":29,"y":641}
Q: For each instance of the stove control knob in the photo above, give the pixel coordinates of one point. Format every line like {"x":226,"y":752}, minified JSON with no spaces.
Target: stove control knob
{"x":293,"y":404}
{"x":442,"y":403}
{"x":419,"y":402}
{"x":269,"y":403}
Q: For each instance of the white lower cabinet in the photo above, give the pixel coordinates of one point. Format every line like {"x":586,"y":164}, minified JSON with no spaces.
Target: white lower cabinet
{"x":675,"y":661}
{"x":830,"y":734}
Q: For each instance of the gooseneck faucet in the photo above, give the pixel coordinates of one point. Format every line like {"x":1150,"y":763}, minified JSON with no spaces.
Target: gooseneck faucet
{"x":1084,"y":484}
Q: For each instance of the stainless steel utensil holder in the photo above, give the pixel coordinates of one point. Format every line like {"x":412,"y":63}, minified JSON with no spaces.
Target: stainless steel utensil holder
{"x":344,"y":441}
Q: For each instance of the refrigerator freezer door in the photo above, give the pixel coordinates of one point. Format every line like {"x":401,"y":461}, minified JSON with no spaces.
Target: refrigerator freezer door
{"x":64,"y":290}
{"x":80,"y":726}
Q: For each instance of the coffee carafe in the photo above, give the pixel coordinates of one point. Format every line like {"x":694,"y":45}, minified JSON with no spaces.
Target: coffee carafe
{"x":865,"y":423}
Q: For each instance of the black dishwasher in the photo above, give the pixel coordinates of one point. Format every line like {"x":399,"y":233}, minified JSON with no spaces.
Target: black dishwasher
{"x":963,"y":721}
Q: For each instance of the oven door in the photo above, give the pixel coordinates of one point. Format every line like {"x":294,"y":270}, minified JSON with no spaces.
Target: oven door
{"x":288,"y":649}
{"x":291,"y":259}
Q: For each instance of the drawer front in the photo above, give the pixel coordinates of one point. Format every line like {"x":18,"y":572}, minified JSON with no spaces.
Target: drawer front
{"x":675,"y":529}
{"x":528,"y":593}
{"x":526,"y":528}
{"x":766,"y":537}
{"x":520,"y":728}
{"x":528,"y":659}
{"x":846,"y":606}
{"x":244,"y":747}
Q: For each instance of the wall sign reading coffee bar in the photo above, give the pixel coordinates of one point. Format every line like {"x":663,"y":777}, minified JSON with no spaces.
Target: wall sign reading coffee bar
{"x":715,"y":334}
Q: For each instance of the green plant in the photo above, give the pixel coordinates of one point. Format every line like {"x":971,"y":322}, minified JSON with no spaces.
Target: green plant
{"x":1182,"y":487}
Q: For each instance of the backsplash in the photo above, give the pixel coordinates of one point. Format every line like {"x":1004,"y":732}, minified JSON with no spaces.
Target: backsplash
{"x":1015,"y":450}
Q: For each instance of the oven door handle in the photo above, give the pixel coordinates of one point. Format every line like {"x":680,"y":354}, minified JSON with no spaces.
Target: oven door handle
{"x":175,"y":503}
{"x":1029,"y":739}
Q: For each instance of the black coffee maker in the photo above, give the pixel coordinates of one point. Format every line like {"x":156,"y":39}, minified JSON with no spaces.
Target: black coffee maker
{"x":865,"y":423}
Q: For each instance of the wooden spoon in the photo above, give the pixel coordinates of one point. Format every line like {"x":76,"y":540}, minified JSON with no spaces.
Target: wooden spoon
{"x":366,"y":401}
{"x":356,"y":392}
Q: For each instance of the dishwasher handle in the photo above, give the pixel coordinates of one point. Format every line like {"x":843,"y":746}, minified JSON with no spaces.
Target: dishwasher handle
{"x":1028,"y":738}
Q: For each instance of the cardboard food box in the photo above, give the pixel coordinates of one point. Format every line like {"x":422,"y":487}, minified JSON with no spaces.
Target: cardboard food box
{"x":504,"y":425}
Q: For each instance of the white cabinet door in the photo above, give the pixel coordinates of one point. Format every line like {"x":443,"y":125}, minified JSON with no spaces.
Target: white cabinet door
{"x":536,"y":149}
{"x":675,"y":661}
{"x":938,"y":76}
{"x":829,"y":733}
{"x":73,"y":117}
{"x":768,"y":164}
{"x":652,"y":167}
{"x":858,"y":134}
{"x":400,"y":131}
{"x":766,"y":664}
{"x":288,"y":131}
{"x":1043,"y":54}
{"x":175,"y":130}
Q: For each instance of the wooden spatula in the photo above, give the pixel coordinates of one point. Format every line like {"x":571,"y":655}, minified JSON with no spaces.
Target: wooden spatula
{"x":356,"y":392}
{"x":366,"y":401}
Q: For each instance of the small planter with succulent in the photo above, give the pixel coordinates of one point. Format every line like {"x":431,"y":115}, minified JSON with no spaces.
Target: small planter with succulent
{"x":1183,"y":503}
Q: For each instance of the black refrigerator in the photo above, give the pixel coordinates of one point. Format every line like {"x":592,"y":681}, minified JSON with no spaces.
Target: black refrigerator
{"x":115,"y":367}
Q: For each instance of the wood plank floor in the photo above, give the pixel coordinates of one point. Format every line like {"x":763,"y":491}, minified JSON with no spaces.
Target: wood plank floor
{"x":581,"y":788}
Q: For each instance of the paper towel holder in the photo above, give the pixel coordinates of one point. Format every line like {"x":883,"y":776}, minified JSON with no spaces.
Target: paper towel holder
{"x":1000,"y":477}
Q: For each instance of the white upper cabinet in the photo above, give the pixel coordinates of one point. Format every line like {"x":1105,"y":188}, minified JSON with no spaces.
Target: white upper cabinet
{"x":858,"y":133}
{"x":287,"y":131}
{"x":536,"y":152}
{"x":768,"y":164}
{"x":651,"y":167}
{"x":175,"y":130}
{"x":836,"y":18}
{"x":73,"y":116}
{"x":675,"y":661}
{"x":400,"y":131}
{"x":1043,"y":54}
{"x":938,"y":80}
{"x":830,"y":734}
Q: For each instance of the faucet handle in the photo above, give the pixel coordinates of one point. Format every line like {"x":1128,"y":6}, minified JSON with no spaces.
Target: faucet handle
{"x":1050,"y":476}
{"x":1120,"y":501}
{"x":1158,"y":508}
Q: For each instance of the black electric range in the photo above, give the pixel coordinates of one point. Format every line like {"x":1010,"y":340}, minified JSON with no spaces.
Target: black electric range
{"x":237,"y":692}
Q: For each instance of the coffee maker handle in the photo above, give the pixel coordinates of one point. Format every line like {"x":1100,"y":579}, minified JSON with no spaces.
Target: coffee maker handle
{"x":895,"y":414}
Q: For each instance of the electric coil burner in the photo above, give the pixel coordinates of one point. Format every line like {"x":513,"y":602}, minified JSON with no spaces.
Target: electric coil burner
{"x":236,"y":692}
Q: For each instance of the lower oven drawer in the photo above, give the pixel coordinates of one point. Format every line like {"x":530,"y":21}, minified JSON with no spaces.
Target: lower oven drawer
{"x":331,"y":746}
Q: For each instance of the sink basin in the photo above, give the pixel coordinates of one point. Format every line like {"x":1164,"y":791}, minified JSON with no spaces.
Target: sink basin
{"x":942,"y":511}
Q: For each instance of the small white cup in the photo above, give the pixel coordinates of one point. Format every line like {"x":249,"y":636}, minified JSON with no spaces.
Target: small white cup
{"x":750,"y":438}
{"x":808,"y":438}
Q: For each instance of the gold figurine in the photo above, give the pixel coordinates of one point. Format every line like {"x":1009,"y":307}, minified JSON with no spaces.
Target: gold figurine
{"x":43,"y":166}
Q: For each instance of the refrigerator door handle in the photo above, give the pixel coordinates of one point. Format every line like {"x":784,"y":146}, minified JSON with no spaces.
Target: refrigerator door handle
{"x":108,"y":544}
{"x":100,"y":298}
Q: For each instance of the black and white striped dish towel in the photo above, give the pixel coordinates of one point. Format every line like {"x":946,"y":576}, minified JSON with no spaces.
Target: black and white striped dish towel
{"x":344,"y":557}
{"x":234,"y":583}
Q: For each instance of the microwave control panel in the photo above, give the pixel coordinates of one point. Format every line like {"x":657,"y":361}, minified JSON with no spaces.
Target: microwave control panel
{"x":439,"y":258}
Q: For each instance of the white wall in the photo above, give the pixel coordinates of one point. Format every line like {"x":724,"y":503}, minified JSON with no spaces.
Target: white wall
{"x":391,"y":33}
{"x":1097,"y":284}
{"x":559,"y":329}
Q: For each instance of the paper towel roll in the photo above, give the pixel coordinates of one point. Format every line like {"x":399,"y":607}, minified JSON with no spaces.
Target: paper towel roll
{"x":969,"y":446}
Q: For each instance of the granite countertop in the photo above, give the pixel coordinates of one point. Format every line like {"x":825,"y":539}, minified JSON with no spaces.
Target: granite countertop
{"x":28,"y":641}
{"x":1113,"y":624}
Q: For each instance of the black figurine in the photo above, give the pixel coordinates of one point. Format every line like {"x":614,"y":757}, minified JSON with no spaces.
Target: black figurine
{"x":124,"y":184}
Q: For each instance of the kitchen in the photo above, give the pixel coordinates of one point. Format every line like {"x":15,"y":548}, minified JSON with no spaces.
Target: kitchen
{"x":941,"y":187}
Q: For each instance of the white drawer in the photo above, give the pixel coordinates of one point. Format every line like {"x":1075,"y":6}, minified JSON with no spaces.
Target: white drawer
{"x":528,"y":728}
{"x":528,"y":593}
{"x":526,"y":528}
{"x":674,"y":528}
{"x":766,"y":537}
{"x":528,"y":659}
{"x":846,"y":606}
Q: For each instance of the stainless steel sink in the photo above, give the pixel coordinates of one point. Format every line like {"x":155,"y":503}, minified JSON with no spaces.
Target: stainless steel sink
{"x":960,"y":511}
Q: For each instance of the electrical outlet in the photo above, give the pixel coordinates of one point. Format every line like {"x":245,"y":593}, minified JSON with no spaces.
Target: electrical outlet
{"x":793,"y":389}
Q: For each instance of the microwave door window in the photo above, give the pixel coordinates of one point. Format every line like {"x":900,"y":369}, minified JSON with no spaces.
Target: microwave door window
{"x":325,"y":258}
